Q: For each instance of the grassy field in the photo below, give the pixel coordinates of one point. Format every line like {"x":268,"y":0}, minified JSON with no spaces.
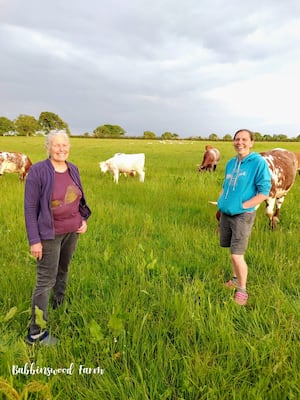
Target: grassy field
{"x":147,"y":316}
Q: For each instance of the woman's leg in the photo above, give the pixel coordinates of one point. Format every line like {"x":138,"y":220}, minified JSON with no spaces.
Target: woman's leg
{"x":45,"y":280}
{"x":68,"y":246}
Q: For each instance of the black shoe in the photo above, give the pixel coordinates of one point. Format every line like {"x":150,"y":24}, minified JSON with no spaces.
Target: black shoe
{"x":45,"y":339}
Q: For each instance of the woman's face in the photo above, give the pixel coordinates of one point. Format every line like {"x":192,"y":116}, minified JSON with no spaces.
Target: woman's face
{"x":59,"y":148}
{"x":242,"y":143}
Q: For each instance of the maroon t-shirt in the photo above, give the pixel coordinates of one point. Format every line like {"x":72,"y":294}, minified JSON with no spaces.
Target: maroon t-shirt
{"x":65,"y":204}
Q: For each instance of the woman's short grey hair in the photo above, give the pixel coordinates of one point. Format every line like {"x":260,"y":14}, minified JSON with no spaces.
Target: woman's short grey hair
{"x":53,"y":134}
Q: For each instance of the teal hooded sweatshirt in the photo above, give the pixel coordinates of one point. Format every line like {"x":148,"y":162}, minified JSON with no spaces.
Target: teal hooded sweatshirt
{"x":243,"y":180}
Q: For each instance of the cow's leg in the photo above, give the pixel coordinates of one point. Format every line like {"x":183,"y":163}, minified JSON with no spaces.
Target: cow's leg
{"x":279,"y":203}
{"x":270,"y":203}
{"x":142,"y":175}
{"x":116,"y":175}
{"x":274,"y":217}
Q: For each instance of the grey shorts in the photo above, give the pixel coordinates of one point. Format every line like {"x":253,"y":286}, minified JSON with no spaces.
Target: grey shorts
{"x":235,"y":231}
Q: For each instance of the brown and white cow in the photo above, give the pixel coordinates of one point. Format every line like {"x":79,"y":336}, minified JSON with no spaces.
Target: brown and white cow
{"x":14,"y":163}
{"x":298,"y":158}
{"x":210,"y":160}
{"x":283,"y":165}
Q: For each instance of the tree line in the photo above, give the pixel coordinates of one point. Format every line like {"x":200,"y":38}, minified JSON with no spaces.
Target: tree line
{"x":28,"y":125}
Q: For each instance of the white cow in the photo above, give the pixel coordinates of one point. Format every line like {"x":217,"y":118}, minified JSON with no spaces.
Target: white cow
{"x":127,"y":164}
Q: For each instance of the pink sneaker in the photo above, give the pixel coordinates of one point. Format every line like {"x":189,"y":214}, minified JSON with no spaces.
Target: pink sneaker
{"x":241,"y":298}
{"x":231,"y":284}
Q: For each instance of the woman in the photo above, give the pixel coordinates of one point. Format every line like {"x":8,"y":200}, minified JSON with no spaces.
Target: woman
{"x":247,"y":184}
{"x":55,"y":214}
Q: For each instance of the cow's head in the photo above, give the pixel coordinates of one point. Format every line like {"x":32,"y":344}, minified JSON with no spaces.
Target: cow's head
{"x":103,"y":166}
{"x":202,"y":168}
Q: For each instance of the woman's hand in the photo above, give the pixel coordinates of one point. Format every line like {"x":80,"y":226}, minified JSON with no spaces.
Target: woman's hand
{"x":82,"y":228}
{"x":36,"y":250}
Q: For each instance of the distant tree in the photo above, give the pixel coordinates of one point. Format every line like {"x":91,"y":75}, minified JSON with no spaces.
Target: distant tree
{"x":50,"y":121}
{"x":6,"y":125}
{"x":169,"y":136}
{"x":149,"y":135}
{"x":281,"y":137}
{"x":108,"y":130}
{"x":267,"y":138}
{"x":257,"y":136}
{"x":227,"y":138}
{"x":26,"y":125}
{"x":166,"y":136}
{"x":213,"y":136}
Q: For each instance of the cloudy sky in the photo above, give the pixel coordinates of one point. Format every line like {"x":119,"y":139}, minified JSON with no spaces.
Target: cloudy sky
{"x":191,"y":67}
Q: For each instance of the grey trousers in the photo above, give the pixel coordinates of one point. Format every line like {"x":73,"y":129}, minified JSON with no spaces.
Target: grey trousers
{"x":52,"y":273}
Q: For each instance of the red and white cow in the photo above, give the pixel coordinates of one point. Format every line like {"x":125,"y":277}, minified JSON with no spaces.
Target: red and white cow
{"x":298,"y":158}
{"x":210,"y":160}
{"x":127,"y":164}
{"x":14,"y":162}
{"x":283,"y":165}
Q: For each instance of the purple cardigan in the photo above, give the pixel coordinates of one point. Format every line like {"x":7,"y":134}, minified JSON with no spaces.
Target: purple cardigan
{"x":38,"y":191}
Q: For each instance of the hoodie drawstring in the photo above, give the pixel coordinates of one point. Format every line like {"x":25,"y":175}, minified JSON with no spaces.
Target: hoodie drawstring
{"x":234,"y":177}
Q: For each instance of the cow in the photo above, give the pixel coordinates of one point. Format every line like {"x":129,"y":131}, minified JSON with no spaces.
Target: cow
{"x":283,"y":165}
{"x":298,"y":158}
{"x":15,"y":163}
{"x":127,"y":164}
{"x":210,"y":160}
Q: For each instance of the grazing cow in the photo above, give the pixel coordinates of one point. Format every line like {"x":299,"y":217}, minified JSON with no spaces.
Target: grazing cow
{"x":14,"y":162}
{"x":283,"y":165}
{"x":298,"y":158}
{"x":127,"y":164}
{"x":210,"y":159}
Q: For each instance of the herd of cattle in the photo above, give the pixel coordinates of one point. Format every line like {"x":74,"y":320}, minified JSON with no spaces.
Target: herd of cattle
{"x":283,"y":165}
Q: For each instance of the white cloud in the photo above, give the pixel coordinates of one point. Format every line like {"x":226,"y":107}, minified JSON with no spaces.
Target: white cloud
{"x":39,"y":43}
{"x":270,"y":98}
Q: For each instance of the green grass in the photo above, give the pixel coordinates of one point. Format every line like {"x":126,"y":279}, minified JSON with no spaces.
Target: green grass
{"x":145,"y":300}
